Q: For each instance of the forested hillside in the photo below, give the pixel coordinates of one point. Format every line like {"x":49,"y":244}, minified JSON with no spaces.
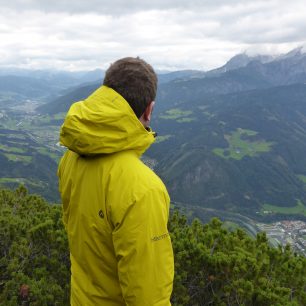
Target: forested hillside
{"x":231,"y":139}
{"x":213,"y":266}
{"x":236,"y":152}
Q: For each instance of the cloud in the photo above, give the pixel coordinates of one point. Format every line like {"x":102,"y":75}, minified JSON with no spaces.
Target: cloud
{"x":117,"y":7}
{"x":196,"y":34}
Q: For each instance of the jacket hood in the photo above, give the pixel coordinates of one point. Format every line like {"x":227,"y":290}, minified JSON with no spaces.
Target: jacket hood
{"x":104,"y":123}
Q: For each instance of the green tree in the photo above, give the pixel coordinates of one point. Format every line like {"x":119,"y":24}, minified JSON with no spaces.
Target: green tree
{"x":217,"y":267}
{"x":213,"y":266}
{"x":33,"y":250}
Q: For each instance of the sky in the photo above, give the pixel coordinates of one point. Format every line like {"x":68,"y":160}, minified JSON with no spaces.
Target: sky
{"x":169,"y":34}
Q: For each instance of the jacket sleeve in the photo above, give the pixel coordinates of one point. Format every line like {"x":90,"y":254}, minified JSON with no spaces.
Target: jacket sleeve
{"x":144,"y":252}
{"x":64,"y":187}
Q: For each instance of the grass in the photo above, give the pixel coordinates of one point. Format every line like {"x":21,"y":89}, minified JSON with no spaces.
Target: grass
{"x":45,"y":151}
{"x":20,"y":180}
{"x":208,"y":114}
{"x":18,"y":158}
{"x":299,"y":209}
{"x":18,"y":143}
{"x":302,"y":178}
{"x":183,"y":120}
{"x":45,"y":119}
{"x":175,"y":113}
{"x":162,"y":138}
{"x":59,"y":116}
{"x":9,"y":124}
{"x":11,"y":149}
{"x":13,"y":135}
{"x":41,"y":121}
{"x":4,"y":180}
{"x":219,"y":152}
{"x":239,"y":148}
{"x":42,"y":133}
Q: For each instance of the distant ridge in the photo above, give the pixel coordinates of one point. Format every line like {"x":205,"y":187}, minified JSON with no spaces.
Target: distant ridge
{"x":239,"y":61}
{"x":62,"y":104}
{"x":240,"y":73}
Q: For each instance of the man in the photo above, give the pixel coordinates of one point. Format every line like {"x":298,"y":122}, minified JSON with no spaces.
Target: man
{"x":115,"y":209}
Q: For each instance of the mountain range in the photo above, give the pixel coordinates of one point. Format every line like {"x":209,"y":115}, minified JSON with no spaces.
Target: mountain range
{"x":41,"y":86}
{"x":232,"y":138}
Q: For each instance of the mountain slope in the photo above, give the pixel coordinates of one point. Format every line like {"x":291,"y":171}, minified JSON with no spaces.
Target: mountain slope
{"x":238,"y":75}
{"x":62,"y":103}
{"x":233,"y":141}
{"x":188,"y":88}
{"x":236,"y":151}
{"x":25,"y":160}
{"x":239,"y":61}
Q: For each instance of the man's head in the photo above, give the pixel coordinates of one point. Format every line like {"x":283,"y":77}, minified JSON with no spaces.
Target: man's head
{"x":136,"y":81}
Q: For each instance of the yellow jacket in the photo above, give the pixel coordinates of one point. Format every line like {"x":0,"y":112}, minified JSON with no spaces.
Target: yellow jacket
{"x":115,"y":209}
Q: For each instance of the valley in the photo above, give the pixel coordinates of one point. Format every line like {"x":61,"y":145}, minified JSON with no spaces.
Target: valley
{"x":29,"y":144}
{"x":281,"y":233}
{"x":230,"y":142}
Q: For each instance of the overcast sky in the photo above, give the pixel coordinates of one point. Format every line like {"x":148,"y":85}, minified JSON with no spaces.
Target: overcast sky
{"x":169,"y":34}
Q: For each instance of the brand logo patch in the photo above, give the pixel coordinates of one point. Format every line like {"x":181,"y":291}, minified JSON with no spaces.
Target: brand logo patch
{"x":157,"y":238}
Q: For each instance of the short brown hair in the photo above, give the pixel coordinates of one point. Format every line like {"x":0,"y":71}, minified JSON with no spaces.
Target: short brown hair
{"x":135,"y":80}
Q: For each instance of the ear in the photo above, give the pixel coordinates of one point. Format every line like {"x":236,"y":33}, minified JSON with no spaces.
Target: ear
{"x":148,"y":112}
{"x":146,"y":116}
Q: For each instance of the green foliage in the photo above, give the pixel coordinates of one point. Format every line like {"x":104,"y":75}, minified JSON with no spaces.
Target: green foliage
{"x":302,"y":178}
{"x":179,"y":115}
{"x":162,"y":138}
{"x":202,"y":164}
{"x":11,"y":149}
{"x":212,"y":265}
{"x":25,"y":159}
{"x":33,"y":250}
{"x":23,"y":181}
{"x":239,"y":148}
{"x":182,"y":120}
{"x":299,"y":209}
{"x":217,"y":267}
